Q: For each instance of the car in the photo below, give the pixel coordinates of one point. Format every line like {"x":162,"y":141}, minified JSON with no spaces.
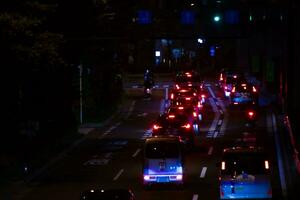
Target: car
{"x":243,"y":93}
{"x":180,"y":124}
{"x":108,"y":194}
{"x":186,"y":80}
{"x":244,"y":173}
{"x":163,"y":161}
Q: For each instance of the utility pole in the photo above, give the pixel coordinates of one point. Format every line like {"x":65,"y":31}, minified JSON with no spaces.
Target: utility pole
{"x":80,"y":93}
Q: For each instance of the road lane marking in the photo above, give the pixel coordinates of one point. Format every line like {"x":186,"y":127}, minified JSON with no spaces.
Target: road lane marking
{"x":203,"y":172}
{"x":85,"y":131}
{"x":118,"y":174}
{"x":130,"y":109}
{"x":210,"y":150}
{"x":211,"y":92}
{"x":220,"y":122}
{"x":136,"y":153}
{"x":216,"y":134}
{"x":135,"y":86}
{"x":195,"y":197}
{"x":221,"y":111}
{"x":217,"y":103}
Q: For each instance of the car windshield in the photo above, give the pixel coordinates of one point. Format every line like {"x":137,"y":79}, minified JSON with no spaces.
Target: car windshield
{"x":158,"y":150}
{"x":237,"y":163}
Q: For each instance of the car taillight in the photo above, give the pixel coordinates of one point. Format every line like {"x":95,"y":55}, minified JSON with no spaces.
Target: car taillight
{"x":199,"y":104}
{"x":235,"y":76}
{"x":177,"y":86}
{"x":254,"y":89}
{"x":190,"y":85}
{"x":194,"y":94}
{"x":189,"y":75}
{"x":180,"y":108}
{"x":223,"y":165}
{"x":179,"y":177}
{"x":156,"y":127}
{"x":250,"y":113}
{"x":188,"y":98}
{"x":202,"y":96}
{"x":233,"y":89}
{"x":146,"y":178}
{"x":187,"y":126}
{"x":194,"y":114}
{"x":267,"y":164}
{"x":221,"y":77}
{"x":172,"y":96}
{"x":226,"y":87}
{"x":270,"y":192}
{"x":171,"y":116}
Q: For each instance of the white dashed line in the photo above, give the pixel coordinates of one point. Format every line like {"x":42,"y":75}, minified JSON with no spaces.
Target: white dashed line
{"x":203,"y":172}
{"x":118,"y":174}
{"x":135,"y":86}
{"x":220,"y":122}
{"x":136,"y":153}
{"x":216,"y":134}
{"x":210,"y":150}
{"x":130,"y":109}
{"x":221,"y":111}
{"x":195,"y":197}
{"x":211,"y":92}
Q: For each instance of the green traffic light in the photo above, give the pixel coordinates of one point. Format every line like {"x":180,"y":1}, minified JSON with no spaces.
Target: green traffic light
{"x":217,"y":18}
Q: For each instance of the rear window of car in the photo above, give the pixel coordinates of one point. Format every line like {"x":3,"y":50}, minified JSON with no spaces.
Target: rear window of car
{"x":250,"y":163}
{"x":157,"y":150}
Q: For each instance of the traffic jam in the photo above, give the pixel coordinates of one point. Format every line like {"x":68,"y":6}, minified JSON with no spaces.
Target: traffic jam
{"x":244,"y":168}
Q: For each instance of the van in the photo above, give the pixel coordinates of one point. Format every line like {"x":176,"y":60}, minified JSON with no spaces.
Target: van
{"x":163,"y":161}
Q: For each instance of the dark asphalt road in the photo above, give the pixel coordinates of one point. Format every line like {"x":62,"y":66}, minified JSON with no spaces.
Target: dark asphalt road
{"x":111,"y":157}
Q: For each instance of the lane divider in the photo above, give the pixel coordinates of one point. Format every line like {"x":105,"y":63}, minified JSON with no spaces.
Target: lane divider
{"x":118,"y":174}
{"x":130,"y":109}
{"x":203,"y":172}
{"x":136,"y":153}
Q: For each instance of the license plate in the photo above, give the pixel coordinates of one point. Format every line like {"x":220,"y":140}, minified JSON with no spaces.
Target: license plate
{"x":163,"y":179}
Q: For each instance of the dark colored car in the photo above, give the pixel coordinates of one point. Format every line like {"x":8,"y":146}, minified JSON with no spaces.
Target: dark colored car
{"x":109,"y":194}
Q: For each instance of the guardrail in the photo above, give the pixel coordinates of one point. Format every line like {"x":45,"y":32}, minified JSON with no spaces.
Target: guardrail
{"x":287,"y":123}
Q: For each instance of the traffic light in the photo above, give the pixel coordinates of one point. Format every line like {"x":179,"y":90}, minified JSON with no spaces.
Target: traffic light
{"x":217,"y":18}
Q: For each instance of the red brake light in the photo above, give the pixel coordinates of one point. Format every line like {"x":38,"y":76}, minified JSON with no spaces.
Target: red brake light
{"x":223,"y":165}
{"x":233,"y":89}
{"x":187,"y":126}
{"x":202,"y":96}
{"x":235,"y":76}
{"x":194,"y":94}
{"x":171,"y":116}
{"x":190,"y":84}
{"x":189,"y":75}
{"x":177,"y":87}
{"x":254,"y":89}
{"x":267,"y":164}
{"x":172,"y":96}
{"x":180,"y":108}
{"x":188,"y":98}
{"x":194,"y":114}
{"x":156,"y":127}
{"x":250,"y":113}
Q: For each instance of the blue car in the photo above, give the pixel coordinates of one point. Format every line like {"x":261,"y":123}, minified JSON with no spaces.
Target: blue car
{"x":243,"y":93}
{"x":244,"y":174}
